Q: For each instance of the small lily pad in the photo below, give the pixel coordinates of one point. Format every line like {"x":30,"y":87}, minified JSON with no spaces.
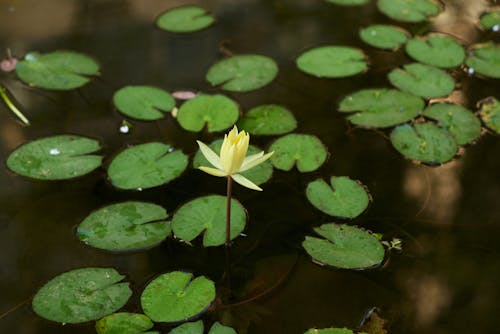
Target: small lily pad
{"x":59,"y":70}
{"x":306,"y":151}
{"x":123,"y":323}
{"x":344,"y":246}
{"x":485,"y":59}
{"x":176,"y":296}
{"x":410,"y":10}
{"x":125,"y":226}
{"x":332,"y":61}
{"x":343,"y":197}
{"x":384,"y":36}
{"x":436,"y":50}
{"x":143,"y":102}
{"x":491,"y":19}
{"x":348,"y":2}
{"x":216,"y":112}
{"x":269,"y":119}
{"x":188,"y":328}
{"x":207,"y":215}
{"x":381,"y":108}
{"x":330,"y":331}
{"x":81,"y":295}
{"x":146,"y":166}
{"x":55,"y":158}
{"x":218,"y":328}
{"x":461,"y":123}
{"x":422,"y":80}
{"x":242,"y":73}
{"x":185,"y":19}
{"x":489,"y":111}
{"x":425,"y":142}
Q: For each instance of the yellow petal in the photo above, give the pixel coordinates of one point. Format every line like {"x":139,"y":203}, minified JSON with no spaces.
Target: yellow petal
{"x":252,"y":157}
{"x":245,"y":182}
{"x":247,"y":164}
{"x":213,"y":171}
{"x":211,"y":156}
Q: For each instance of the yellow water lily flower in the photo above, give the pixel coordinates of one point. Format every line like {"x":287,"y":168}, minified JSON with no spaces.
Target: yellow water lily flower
{"x":232,"y":160}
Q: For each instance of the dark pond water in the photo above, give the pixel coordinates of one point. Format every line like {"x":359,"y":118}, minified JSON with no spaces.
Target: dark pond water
{"x":444,"y":281}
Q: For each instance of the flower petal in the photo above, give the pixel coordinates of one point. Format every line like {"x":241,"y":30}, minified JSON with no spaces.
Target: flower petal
{"x":254,"y":161}
{"x":211,"y":156}
{"x":245,"y":182}
{"x":252,"y":157}
{"x":213,"y":171}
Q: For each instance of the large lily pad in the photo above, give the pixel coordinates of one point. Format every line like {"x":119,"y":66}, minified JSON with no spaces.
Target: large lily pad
{"x":60,"y":70}
{"x":176,"y":296}
{"x":381,"y":108}
{"x":410,"y":10}
{"x":305,"y":151}
{"x":185,"y":19}
{"x":188,"y":328}
{"x":143,"y":102}
{"x":81,"y":295}
{"x":332,"y":61}
{"x":55,"y":158}
{"x":218,"y":328}
{"x":384,"y":36}
{"x":485,"y":59}
{"x":491,"y":19}
{"x":489,"y":111}
{"x":146,"y":165}
{"x":207,"y":215}
{"x":124,"y":323}
{"x":330,"y":331}
{"x":268,"y":119}
{"x":242,"y":73}
{"x":348,"y":2}
{"x":344,"y":246}
{"x":436,"y":50}
{"x":125,"y":226}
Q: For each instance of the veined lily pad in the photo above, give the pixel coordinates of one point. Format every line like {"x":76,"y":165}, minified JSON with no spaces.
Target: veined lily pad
{"x":207,"y":215}
{"x":125,"y":226}
{"x":61,"y":70}
{"x":491,"y":19}
{"x":176,"y":296}
{"x":436,"y":50}
{"x":143,"y":102}
{"x":269,"y":119}
{"x":218,"y":328}
{"x":330,"y":331}
{"x":381,"y":108}
{"x":332,"y":61}
{"x":242,"y":73}
{"x":485,"y":59}
{"x":410,"y":10}
{"x":258,"y":174}
{"x":217,"y":112}
{"x":348,"y":2}
{"x":344,"y":246}
{"x":146,"y":165}
{"x":424,"y":142}
{"x":343,"y":197}
{"x":81,"y":295}
{"x":188,"y":328}
{"x":55,"y":158}
{"x":422,"y":80}
{"x":124,"y":323}
{"x":489,"y":111}
{"x":384,"y":36}
{"x":185,"y":19}
{"x":307,"y":151}
{"x":462,"y":123}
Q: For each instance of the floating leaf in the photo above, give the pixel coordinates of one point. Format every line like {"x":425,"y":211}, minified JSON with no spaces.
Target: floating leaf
{"x":424,"y":142}
{"x":60,"y":70}
{"x":176,"y":296}
{"x":185,"y":19}
{"x":207,"y":215}
{"x":307,"y":151}
{"x":143,"y":102}
{"x":242,"y":73}
{"x":485,"y":59}
{"x":218,"y":328}
{"x":489,"y":111}
{"x":381,"y":108}
{"x":348,"y":2}
{"x":343,"y":197}
{"x":269,"y":119}
{"x":410,"y":10}
{"x":188,"y":328}
{"x":55,"y":158}
{"x":384,"y":36}
{"x":491,"y":19}
{"x":332,"y":61}
{"x":345,"y":246}
{"x":217,"y":112}
{"x":436,"y":50}
{"x":123,"y":323}
{"x":81,"y":295}
{"x":146,"y":165}
{"x":422,"y":80}
{"x":330,"y":331}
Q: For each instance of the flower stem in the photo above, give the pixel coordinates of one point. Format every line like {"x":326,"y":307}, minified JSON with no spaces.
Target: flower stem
{"x":228,"y":213}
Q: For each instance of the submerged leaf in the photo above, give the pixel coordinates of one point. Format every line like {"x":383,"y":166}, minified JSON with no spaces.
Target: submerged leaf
{"x":218,"y":328}
{"x":489,"y":111}
{"x":185,"y":19}
{"x":332,"y":61}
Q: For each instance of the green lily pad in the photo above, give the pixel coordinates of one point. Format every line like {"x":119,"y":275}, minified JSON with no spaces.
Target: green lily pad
{"x":348,"y":2}
{"x":218,"y":328}
{"x":381,"y":108}
{"x":344,"y":246}
{"x":343,"y":197}
{"x":217,"y":112}
{"x":436,"y":50}
{"x":55,"y":158}
{"x":123,"y":323}
{"x":425,"y":142}
{"x":60,"y":70}
{"x":422,"y":80}
{"x":461,"y":123}
{"x":491,"y":19}
{"x":188,"y":328}
{"x":330,"y":331}
{"x":125,"y":226}
{"x":81,"y":295}
{"x":143,"y":102}
{"x":207,"y":215}
{"x":484,"y":59}
{"x":258,"y":174}
{"x":185,"y":19}
{"x":489,"y":111}
{"x":306,"y":151}
{"x":176,"y":296}
{"x":242,"y":73}
{"x":146,"y":166}
{"x":384,"y":36}
{"x":410,"y":10}
{"x":332,"y":61}
{"x":268,"y":119}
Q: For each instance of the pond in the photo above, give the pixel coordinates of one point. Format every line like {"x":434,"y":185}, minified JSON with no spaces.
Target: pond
{"x":436,"y":213}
